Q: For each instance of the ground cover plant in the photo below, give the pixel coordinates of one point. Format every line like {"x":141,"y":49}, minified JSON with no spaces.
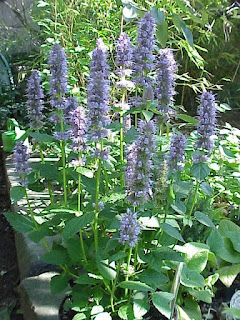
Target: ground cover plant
{"x":133,"y":183}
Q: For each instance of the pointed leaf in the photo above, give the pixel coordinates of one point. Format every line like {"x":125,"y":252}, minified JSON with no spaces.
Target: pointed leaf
{"x":162,"y":301}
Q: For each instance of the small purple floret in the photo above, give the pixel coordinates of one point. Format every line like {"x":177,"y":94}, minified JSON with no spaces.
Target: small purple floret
{"x":21,"y":162}
{"x":177,"y":152}
{"x":78,"y":129}
{"x":129,"y":229}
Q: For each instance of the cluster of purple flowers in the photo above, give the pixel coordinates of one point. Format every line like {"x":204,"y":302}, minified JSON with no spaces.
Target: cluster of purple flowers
{"x":166,"y":75}
{"x":129,"y":229}
{"x":78,"y":129}
{"x":143,"y":53}
{"x":98,"y":93}
{"x":35,"y":101}
{"x":139,"y":164}
{"x":21,"y":162}
{"x":124,"y":55}
{"x":177,"y":151}
{"x":206,"y":123}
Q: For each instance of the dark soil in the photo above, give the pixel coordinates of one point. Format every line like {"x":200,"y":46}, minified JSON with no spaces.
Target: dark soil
{"x":9,"y":276}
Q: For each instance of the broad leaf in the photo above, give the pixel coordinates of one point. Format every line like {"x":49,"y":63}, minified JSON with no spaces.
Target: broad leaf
{"x":17,"y":193}
{"x":42,"y":137}
{"x":162,"y":300}
{"x":162,"y":33}
{"x":228,"y":274}
{"x":190,"y":310}
{"x":187,"y":118}
{"x":135,"y":285}
{"x":202,"y":218}
{"x":191,"y":278}
{"x":171,"y":231}
{"x":58,"y":283}
{"x":56,"y":256}
{"x":140,"y":304}
{"x":19,"y":222}
{"x":85,"y":172}
{"x":200,"y":171}
{"x":107,"y":270}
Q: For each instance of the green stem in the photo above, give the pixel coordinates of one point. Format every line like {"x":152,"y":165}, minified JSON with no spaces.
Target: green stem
{"x":63,"y":153}
{"x":166,"y":211}
{"x":127,"y":271}
{"x":194,"y":200}
{"x":121,"y":143}
{"x":114,"y":285}
{"x":48,"y":182}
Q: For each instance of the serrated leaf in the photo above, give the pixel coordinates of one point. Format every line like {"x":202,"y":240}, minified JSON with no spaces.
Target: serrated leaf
{"x":191,"y":278}
{"x":200,"y":171}
{"x":171,"y":231}
{"x":131,"y":135}
{"x":17,"y":193}
{"x":56,"y":256}
{"x":42,"y":137}
{"x":85,"y":172}
{"x":73,"y":226}
{"x":182,"y":188}
{"x":147,"y":114}
{"x":58,"y":283}
{"x":162,"y":33}
{"x":202,"y":218}
{"x":135,"y":285}
{"x":228,"y":274}
{"x":187,"y":118}
{"x":162,"y":301}
{"x":19,"y":222}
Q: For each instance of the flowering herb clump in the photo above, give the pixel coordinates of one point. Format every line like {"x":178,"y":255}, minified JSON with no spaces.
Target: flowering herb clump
{"x":35,"y":101}
{"x":21,"y":162}
{"x":206,"y":125}
{"x":166,"y":75}
{"x":129,"y":228}
{"x":143,"y":53}
{"x":177,"y":151}
{"x":98,"y":93}
{"x":139,"y":164}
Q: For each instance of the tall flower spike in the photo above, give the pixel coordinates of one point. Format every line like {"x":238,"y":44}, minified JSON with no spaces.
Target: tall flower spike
{"x":207,"y":123}
{"x":143,"y":53}
{"x":98,"y":93}
{"x":139,"y":164}
{"x":124,"y":55}
{"x":129,"y":229}
{"x":21,"y":162}
{"x":35,"y":101}
{"x":177,"y":151}
{"x":79,"y":129}
{"x":166,"y":75}
{"x":58,"y":78}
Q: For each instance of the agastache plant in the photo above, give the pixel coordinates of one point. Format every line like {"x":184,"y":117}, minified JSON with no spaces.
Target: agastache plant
{"x":206,"y":125}
{"x":139,"y":164}
{"x":78,"y":131}
{"x":129,"y":228}
{"x":177,"y":151}
{"x":21,"y":162}
{"x":35,"y":101}
{"x":165,"y":81}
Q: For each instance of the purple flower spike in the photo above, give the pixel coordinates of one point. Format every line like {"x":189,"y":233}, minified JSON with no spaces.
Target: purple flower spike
{"x":124,"y":55}
{"x":35,"y":101}
{"x":98,"y":93}
{"x":58,"y":69}
{"x":139,"y":164}
{"x":129,"y":229}
{"x":79,"y":129}
{"x":177,"y":151}
{"x":166,"y":75}
{"x":21,"y":162}
{"x":143,"y":53}
{"x":207,"y":122}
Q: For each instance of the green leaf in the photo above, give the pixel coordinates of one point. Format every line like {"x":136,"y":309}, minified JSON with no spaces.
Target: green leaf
{"x":49,"y":171}
{"x":130,"y":12}
{"x":187,"y":33}
{"x":17,"y":193}
{"x":228,"y":274}
{"x":74,"y":249}
{"x":79,"y":316}
{"x":202,"y":218}
{"x":190,"y":310}
{"x":107,"y":270}
{"x":117,"y":256}
{"x":179,"y":207}
{"x":171,"y":231}
{"x":123,"y":312}
{"x":140,"y":304}
{"x":200,"y":171}
{"x":232,"y":312}
{"x":191,"y":278}
{"x":131,"y":135}
{"x":19,"y":222}
{"x":85,"y":172}
{"x":97,"y":309}
{"x":158,"y":15}
{"x":162,"y":33}
{"x":182,"y":188}
{"x":187,"y":118}
{"x":86,"y":279}
{"x":201,"y":295}
{"x":73,"y":226}
{"x":42,"y":137}
{"x":103,"y":316}
{"x":135,"y":285}
{"x":162,"y":300}
{"x":58,"y":283}
{"x":56,"y":256}
{"x":147,"y":114}
{"x":42,"y":232}
{"x":206,"y":189}
{"x":153,"y":278}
